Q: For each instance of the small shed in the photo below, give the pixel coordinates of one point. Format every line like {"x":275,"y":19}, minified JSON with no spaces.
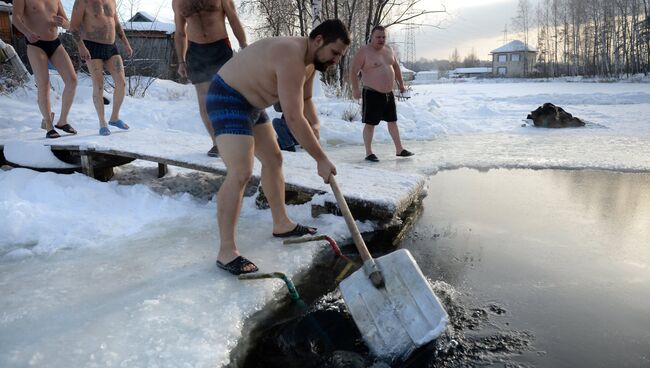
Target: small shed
{"x":152,"y":41}
{"x":514,"y":59}
{"x":6,"y":32}
{"x":470,"y":72}
{"x":407,"y":74}
{"x":426,"y":76}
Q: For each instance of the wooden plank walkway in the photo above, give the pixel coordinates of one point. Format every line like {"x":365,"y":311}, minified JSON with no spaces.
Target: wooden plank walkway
{"x":373,"y":194}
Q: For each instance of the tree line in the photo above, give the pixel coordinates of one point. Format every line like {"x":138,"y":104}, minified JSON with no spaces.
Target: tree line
{"x":294,"y":18}
{"x":588,"y":37}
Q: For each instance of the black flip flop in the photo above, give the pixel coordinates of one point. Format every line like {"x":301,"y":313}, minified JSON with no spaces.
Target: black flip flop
{"x":237,"y":266}
{"x":405,"y":153}
{"x":52,"y":134}
{"x":372,"y":157}
{"x":67,"y":128}
{"x":299,"y":230}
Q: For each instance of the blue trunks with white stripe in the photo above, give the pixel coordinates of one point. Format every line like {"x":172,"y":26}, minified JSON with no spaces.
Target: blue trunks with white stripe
{"x":229,"y":111}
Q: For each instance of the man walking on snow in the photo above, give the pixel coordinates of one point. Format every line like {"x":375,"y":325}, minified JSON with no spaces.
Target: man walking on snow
{"x":39,"y":20}
{"x":379,"y":70}
{"x":270,"y":70}
{"x":202,"y":23}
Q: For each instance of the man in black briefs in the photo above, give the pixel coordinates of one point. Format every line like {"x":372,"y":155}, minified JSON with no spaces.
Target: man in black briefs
{"x":94,"y":26}
{"x":39,"y":20}
{"x":202,"y":25}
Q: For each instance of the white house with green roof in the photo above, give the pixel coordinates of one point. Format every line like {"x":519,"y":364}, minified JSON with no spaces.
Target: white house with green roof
{"x":514,"y":59}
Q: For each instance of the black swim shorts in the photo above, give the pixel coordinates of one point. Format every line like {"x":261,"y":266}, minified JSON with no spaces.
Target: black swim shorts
{"x":49,"y":47}
{"x":101,"y":50}
{"x":205,"y":59}
{"x":229,"y":111}
{"x":378,"y":106}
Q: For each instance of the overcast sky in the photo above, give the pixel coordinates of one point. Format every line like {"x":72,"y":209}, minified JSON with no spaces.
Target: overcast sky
{"x":477,"y":24}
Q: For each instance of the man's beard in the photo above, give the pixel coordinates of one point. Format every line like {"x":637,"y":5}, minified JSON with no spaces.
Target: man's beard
{"x":321,"y":66}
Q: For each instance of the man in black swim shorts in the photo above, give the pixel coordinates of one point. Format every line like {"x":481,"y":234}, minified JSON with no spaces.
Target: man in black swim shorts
{"x":379,"y":70}
{"x":202,"y":45}
{"x":94,"y":26}
{"x":39,"y":20}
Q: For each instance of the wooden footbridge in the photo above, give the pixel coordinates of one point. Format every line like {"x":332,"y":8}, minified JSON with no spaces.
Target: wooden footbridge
{"x":372,"y":194}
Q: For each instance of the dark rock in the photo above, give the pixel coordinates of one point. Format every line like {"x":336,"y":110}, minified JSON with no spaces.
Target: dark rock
{"x":551,"y":116}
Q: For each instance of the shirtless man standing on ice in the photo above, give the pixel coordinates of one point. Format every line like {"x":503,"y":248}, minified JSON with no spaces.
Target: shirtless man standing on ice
{"x":270,"y":70}
{"x":202,"y":23}
{"x":379,"y":70}
{"x":39,"y":20}
{"x":94,"y":25}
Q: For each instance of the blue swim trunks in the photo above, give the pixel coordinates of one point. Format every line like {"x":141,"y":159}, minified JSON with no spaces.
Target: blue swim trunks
{"x":229,"y":111}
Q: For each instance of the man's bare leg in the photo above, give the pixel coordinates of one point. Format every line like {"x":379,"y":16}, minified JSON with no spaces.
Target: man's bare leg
{"x":268,"y":152}
{"x":63,"y":65}
{"x":38,"y":60}
{"x":394,"y":133}
{"x":201,"y":93}
{"x":96,"y":68}
{"x":237,"y":154}
{"x":368,"y":133}
{"x":116,"y":68}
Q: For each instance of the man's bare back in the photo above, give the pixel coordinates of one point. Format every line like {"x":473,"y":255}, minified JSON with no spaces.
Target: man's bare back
{"x":253,"y":71}
{"x":98,"y":22}
{"x":42,"y":18}
{"x":205,"y":19}
{"x":377,"y":71}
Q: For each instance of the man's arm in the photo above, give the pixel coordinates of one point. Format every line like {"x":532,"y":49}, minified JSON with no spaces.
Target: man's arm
{"x":61,"y":19}
{"x":19,"y":13}
{"x":120,"y":33}
{"x":398,"y":73}
{"x":76,"y":19}
{"x":180,"y":39}
{"x":235,"y":24}
{"x":309,"y":109}
{"x":355,"y":68}
{"x":291,"y":80}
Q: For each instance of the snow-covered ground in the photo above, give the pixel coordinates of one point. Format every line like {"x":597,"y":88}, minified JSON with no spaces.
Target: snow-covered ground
{"x":117,"y":275}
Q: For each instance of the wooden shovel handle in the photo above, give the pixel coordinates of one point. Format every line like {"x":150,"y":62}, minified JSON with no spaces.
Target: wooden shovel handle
{"x":349,"y":220}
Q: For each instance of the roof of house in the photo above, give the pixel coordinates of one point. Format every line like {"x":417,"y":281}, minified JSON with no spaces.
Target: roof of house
{"x":143,"y":21}
{"x":514,"y":46}
{"x":5,"y":7}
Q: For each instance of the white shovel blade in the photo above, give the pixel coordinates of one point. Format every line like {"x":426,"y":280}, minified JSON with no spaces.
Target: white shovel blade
{"x":397,"y":319}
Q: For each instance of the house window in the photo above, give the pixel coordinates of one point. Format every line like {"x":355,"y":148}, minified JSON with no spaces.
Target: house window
{"x":514,"y":57}
{"x":503,"y":58}
{"x":501,"y":70}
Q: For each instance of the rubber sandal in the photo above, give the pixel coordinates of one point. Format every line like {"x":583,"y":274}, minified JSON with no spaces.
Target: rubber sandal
{"x":372,"y":157}
{"x":52,"y":134}
{"x":237,"y":266}
{"x":213,"y":152}
{"x":66,"y":128}
{"x":119,"y":124}
{"x":405,"y":153}
{"x":104,"y":131}
{"x":299,"y":230}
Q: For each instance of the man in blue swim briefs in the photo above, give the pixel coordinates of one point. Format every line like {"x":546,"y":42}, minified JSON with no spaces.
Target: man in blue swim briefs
{"x":270,"y":70}
{"x":202,"y":24}
{"x":94,"y":26}
{"x":39,"y":20}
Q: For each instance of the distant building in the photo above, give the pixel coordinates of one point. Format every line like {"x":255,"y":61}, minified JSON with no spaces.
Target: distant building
{"x":514,"y":59}
{"x":153,"y":45}
{"x":427,"y":76}
{"x":470,"y":72}
{"x":407,"y":74}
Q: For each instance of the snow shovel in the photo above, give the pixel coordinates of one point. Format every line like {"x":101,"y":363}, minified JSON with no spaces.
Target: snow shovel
{"x":390,"y":300}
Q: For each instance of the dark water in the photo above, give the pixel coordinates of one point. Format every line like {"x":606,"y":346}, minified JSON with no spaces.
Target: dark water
{"x":536,"y":269}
